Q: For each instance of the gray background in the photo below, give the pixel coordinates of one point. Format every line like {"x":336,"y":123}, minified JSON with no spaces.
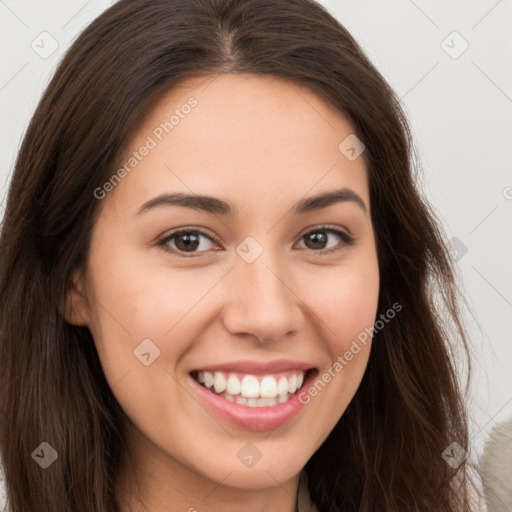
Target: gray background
{"x":459,"y":105}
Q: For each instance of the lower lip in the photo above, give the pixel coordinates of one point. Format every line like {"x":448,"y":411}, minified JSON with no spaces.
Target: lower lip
{"x":253,"y":418}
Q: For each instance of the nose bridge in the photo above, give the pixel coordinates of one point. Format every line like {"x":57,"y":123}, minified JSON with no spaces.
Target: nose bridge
{"x":262,"y":302}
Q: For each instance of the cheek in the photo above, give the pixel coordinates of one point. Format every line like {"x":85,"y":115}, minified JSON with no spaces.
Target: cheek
{"x":345,"y":302}
{"x":137,"y":300}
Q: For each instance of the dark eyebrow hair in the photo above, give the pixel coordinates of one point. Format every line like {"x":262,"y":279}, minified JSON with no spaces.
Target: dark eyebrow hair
{"x":326,"y":199}
{"x":221,"y":207}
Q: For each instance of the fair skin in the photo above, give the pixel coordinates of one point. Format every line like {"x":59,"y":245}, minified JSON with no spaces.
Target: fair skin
{"x":262,"y":145}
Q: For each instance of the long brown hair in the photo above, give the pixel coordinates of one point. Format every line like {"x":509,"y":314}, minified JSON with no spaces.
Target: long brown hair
{"x":385,"y":453}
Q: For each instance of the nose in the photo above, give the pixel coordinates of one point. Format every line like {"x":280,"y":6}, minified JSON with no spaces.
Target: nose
{"x":262,"y":301}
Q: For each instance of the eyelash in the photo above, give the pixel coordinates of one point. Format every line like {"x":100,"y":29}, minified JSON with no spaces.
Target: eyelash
{"x":347,"y":240}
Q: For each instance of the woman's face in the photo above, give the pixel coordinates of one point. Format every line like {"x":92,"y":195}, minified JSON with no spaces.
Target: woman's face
{"x":252,"y":300}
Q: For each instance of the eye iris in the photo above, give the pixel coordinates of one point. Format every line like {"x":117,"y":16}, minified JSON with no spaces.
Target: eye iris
{"x":319,"y":239}
{"x":190,"y":241}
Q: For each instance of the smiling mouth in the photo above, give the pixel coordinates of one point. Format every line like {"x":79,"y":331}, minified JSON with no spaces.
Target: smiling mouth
{"x":252,"y":390}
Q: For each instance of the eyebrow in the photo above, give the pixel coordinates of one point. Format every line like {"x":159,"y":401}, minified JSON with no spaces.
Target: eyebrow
{"x":220,"y":207}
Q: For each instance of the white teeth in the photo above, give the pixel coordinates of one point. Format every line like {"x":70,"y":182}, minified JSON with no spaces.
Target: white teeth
{"x":292,"y":384}
{"x":268,"y":387}
{"x":252,"y":391}
{"x":255,"y":402}
{"x":208,"y":379}
{"x":300,"y":380}
{"x":282,"y":386}
{"x":233,"y":385}
{"x":250,"y":387}
{"x":219,"y":382}
{"x":241,"y":400}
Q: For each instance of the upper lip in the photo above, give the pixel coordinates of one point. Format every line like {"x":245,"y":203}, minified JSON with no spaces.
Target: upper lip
{"x":257,"y":367}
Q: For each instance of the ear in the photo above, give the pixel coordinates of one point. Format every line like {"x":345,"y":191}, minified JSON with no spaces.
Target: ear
{"x":76,"y":307}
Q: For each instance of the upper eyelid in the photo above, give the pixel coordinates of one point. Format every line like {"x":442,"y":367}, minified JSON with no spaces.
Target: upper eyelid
{"x":200,"y":231}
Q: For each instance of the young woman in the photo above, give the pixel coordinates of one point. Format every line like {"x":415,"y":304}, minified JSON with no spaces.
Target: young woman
{"x":220,"y":287}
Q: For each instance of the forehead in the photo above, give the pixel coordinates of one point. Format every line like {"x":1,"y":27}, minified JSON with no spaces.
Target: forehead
{"x":241,"y":135}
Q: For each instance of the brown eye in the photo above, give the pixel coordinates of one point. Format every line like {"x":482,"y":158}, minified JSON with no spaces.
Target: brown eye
{"x":316,"y":240}
{"x":186,"y":241}
{"x":319,"y":239}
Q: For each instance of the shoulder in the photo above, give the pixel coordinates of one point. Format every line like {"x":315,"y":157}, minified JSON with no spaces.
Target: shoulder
{"x":496,"y":467}
{"x":477,"y":503}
